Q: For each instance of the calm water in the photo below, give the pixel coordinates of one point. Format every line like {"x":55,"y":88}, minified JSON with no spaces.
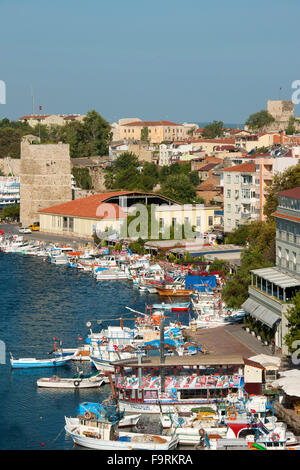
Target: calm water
{"x":40,"y":301}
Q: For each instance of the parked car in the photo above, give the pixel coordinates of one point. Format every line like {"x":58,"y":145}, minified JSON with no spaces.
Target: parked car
{"x":24,"y":230}
{"x":35,"y":227}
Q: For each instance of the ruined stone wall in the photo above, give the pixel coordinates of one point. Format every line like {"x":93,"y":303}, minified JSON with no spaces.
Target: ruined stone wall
{"x":281,"y":110}
{"x":10,"y":166}
{"x":45,"y":178}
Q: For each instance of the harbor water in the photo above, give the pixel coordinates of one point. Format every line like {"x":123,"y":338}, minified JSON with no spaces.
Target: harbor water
{"x":40,"y":302}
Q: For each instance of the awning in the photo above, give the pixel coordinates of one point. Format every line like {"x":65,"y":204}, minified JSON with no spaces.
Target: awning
{"x":277,"y":277}
{"x":260,"y":312}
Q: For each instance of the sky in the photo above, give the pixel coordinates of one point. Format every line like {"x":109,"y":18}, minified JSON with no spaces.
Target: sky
{"x":174,"y":60}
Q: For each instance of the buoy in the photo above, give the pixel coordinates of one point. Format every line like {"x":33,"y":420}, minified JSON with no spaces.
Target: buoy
{"x":42,"y":444}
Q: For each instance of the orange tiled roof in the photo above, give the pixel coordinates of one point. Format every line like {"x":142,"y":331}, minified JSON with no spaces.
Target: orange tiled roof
{"x":284,"y":216}
{"x":86,"y":207}
{"x":152,"y":123}
{"x":243,"y":167}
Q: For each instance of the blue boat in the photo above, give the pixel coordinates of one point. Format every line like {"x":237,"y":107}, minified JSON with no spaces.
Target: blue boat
{"x":31,"y":362}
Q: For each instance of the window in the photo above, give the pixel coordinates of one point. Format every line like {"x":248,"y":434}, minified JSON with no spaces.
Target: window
{"x":228,"y":178}
{"x":236,"y":194}
{"x":210,"y":220}
{"x":228,"y":207}
{"x":198,"y":221}
{"x":237,"y":209}
{"x":228,"y":193}
{"x":71,"y":224}
{"x":229,"y":222}
{"x":237,"y":179}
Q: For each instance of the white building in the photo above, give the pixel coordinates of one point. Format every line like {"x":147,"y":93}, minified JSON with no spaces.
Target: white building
{"x":9,"y":191}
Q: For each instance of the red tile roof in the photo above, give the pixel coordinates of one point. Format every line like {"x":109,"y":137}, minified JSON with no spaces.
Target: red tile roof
{"x":243,"y":168}
{"x":152,"y":123}
{"x":35,"y":116}
{"x":294,"y":193}
{"x":288,"y":217}
{"x":85,"y":207}
{"x":94,"y":207}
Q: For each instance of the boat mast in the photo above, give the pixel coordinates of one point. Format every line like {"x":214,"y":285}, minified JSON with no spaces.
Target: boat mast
{"x":162,"y":353}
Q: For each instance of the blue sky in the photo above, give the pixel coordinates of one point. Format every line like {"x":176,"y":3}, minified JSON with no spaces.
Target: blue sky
{"x":178,"y":60}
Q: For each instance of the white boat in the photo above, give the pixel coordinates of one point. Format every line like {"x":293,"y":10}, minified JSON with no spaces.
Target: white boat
{"x":31,"y":362}
{"x":106,"y":437}
{"x":75,"y":383}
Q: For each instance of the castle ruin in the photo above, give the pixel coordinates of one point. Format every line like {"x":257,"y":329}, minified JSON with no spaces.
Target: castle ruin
{"x":45,"y":177}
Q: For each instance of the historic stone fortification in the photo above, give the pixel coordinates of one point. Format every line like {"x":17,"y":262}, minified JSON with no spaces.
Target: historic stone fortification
{"x":282,"y":111}
{"x":10,"y":166}
{"x":45,"y":177}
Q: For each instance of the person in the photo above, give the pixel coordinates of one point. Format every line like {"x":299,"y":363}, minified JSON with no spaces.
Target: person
{"x":201,"y":443}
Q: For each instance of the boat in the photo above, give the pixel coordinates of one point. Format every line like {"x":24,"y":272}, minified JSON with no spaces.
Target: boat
{"x":31,"y":362}
{"x":176,"y":291}
{"x":174,"y":307}
{"x":75,"y":383}
{"x":90,"y":413}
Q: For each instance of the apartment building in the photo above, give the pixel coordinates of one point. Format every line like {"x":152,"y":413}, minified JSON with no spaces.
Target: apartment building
{"x":239,"y":186}
{"x":272,"y":289}
{"x":158,"y":131}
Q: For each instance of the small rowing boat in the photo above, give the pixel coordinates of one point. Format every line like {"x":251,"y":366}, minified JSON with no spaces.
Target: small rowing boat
{"x":32,"y":362}
{"x":75,"y":383}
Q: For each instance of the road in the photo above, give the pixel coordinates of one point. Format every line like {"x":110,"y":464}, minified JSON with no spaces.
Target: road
{"x":13,"y":229}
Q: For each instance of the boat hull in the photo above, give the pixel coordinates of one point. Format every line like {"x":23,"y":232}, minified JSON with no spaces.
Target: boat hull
{"x":101,"y":444}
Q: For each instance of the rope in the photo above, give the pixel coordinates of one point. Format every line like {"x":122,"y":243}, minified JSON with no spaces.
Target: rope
{"x":51,"y":443}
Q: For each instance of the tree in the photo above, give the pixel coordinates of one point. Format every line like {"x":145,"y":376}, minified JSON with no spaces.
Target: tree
{"x":97,"y":134}
{"x":289,"y":179}
{"x":145,"y":134}
{"x":259,"y":120}
{"x":213,"y":130}
{"x":293,"y":318}
{"x":179,"y":188}
{"x":290,"y":130}
{"x":11,"y":212}
{"x":82,"y":178}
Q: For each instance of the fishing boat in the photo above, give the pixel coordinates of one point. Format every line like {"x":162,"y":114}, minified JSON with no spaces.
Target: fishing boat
{"x":90,"y":413}
{"x":175,"y":291}
{"x":174,"y":307}
{"x":75,"y":383}
{"x":31,"y":362}
{"x":97,"y":427}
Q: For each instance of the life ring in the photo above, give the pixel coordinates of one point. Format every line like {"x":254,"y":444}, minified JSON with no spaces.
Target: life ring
{"x":228,"y":312}
{"x":104,"y":339}
{"x":232,"y":414}
{"x":275,"y":437}
{"x":206,"y":319}
{"x":87,"y":415}
{"x":180,"y":421}
{"x":178,"y":324}
{"x":76,"y":383}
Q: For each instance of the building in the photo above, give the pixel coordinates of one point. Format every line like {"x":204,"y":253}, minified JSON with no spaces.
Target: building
{"x":272,"y":289}
{"x":158,"y":131}
{"x":45,"y":177}
{"x":9,"y":191}
{"x":239,"y":188}
{"x":51,"y":119}
{"x":100,"y":212}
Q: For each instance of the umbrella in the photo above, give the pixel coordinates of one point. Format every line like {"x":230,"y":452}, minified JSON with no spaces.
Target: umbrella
{"x":169,"y":346}
{"x":128,"y":348}
{"x":149,"y":347}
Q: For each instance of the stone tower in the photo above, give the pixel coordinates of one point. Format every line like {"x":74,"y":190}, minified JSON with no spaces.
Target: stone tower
{"x":281,"y":110}
{"x":45,"y":177}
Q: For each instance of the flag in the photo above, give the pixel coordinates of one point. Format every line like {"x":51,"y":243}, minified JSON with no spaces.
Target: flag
{"x":79,"y":338}
{"x":40,"y":107}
